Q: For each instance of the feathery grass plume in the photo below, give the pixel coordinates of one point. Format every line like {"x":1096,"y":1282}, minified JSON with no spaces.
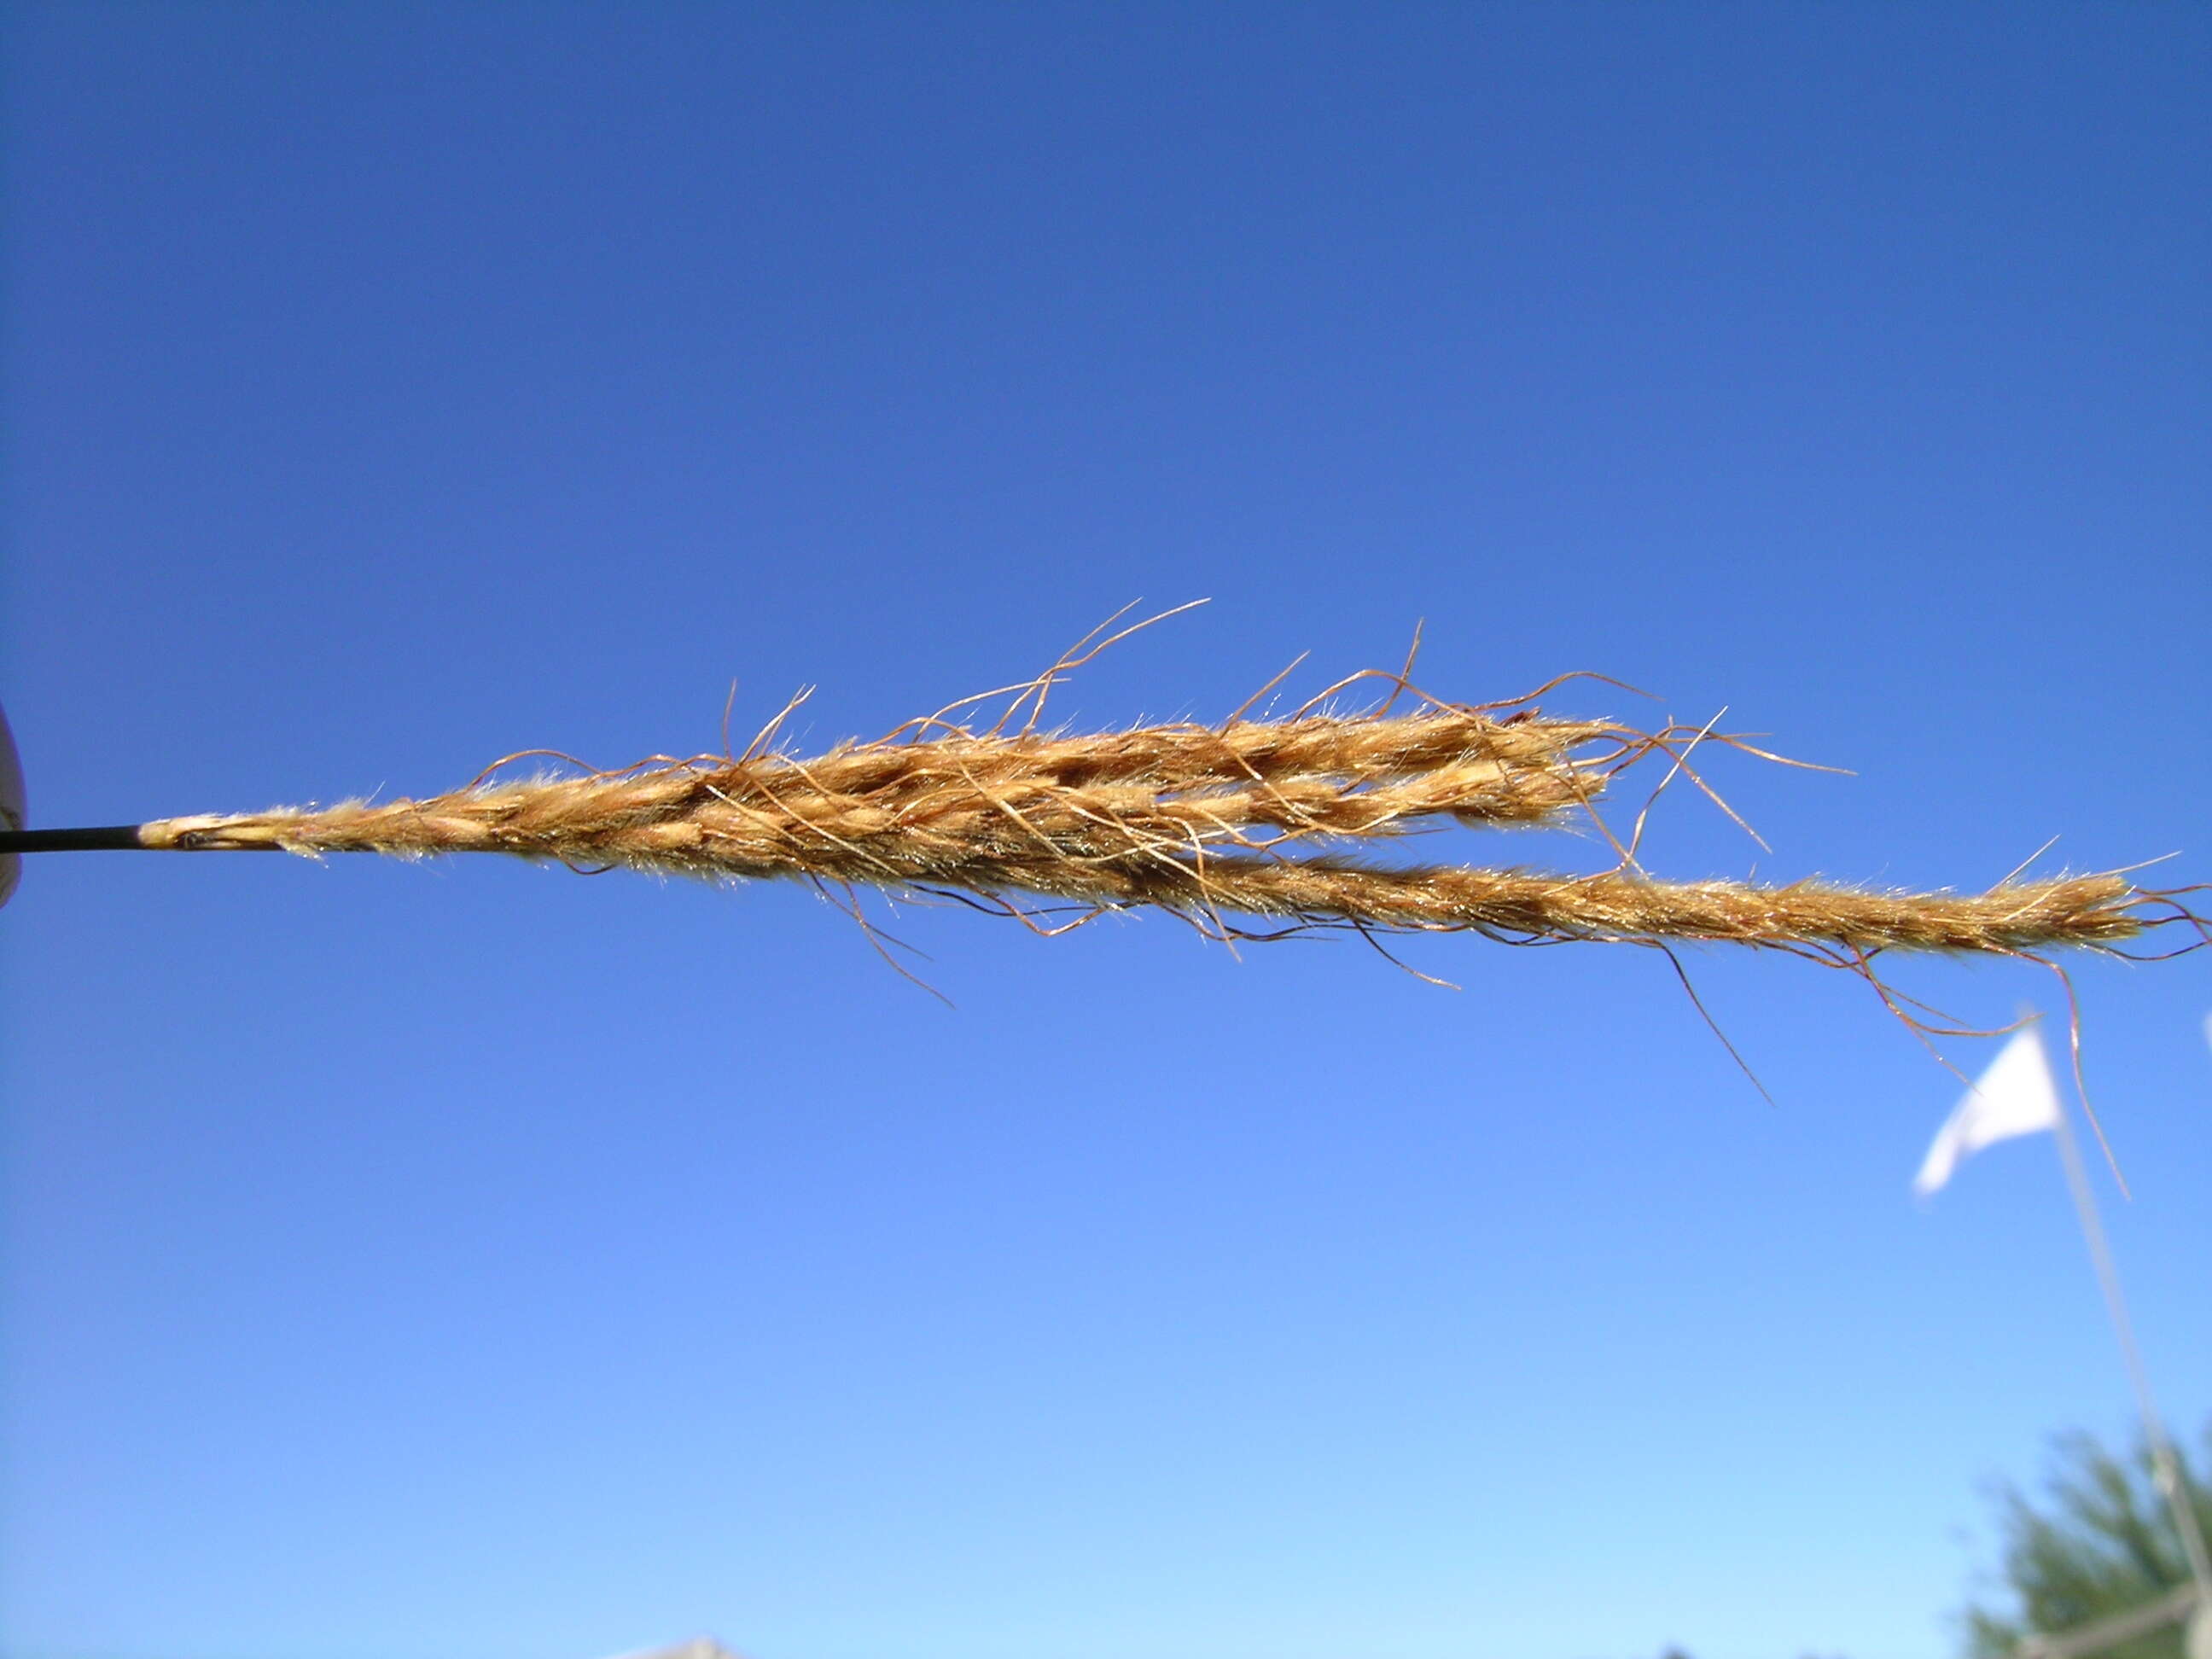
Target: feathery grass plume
{"x":1199,"y":821}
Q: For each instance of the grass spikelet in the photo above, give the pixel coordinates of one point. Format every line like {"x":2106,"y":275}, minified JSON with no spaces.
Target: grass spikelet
{"x":929,"y":809}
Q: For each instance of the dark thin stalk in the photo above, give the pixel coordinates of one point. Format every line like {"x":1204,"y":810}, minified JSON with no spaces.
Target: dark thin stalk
{"x":114,"y":837}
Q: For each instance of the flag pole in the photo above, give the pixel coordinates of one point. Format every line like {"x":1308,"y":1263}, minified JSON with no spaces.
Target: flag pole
{"x":2165,"y":1467}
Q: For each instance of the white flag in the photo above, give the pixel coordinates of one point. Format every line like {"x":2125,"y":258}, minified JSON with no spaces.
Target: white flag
{"x":2015,"y":1096}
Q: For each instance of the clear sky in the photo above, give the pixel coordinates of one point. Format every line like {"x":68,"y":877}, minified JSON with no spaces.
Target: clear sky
{"x":479,"y":1263}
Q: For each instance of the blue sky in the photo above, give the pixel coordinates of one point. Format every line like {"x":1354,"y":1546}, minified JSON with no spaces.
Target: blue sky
{"x":476,"y":1262}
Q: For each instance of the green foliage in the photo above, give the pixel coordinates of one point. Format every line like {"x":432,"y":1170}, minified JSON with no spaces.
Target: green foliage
{"x":2103,"y":1542}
